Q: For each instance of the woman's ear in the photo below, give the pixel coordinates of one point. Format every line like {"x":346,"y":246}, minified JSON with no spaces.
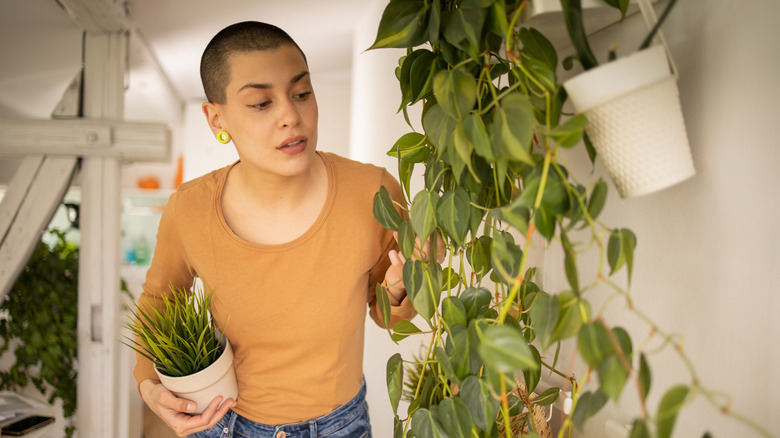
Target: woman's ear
{"x":212,"y":113}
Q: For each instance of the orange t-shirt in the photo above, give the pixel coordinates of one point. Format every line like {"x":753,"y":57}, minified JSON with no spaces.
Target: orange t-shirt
{"x":295,"y":312}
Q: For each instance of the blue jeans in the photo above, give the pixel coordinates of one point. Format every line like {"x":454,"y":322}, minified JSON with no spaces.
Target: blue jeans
{"x":346,"y":421}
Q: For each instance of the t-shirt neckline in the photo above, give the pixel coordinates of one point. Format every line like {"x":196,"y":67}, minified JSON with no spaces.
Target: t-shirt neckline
{"x":304,"y":237}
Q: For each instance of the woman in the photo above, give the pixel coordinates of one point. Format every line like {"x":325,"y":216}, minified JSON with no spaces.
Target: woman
{"x":286,"y":239}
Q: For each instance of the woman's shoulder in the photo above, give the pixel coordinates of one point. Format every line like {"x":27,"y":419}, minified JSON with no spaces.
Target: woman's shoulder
{"x":201,"y":189}
{"x":360,"y":181}
{"x":353,"y":170}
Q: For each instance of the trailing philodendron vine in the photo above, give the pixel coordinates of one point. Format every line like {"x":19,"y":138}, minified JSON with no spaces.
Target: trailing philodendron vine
{"x":492,"y":129}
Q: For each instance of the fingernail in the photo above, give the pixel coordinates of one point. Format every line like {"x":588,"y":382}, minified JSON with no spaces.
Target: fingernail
{"x":190,"y":407}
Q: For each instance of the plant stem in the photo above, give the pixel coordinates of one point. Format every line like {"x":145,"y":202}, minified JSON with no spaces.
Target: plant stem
{"x":554,"y":370}
{"x":548,"y":151}
{"x":505,"y":407}
{"x":422,"y":375}
{"x":626,"y":365}
{"x":575,"y":394}
{"x":748,"y":422}
{"x":497,"y":97}
{"x":511,"y":26}
{"x":519,"y":279}
{"x":543,"y":179}
{"x":708,"y":394}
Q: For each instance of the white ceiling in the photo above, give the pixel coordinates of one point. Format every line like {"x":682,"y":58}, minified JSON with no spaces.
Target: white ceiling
{"x":178,"y":30}
{"x":40,"y":45}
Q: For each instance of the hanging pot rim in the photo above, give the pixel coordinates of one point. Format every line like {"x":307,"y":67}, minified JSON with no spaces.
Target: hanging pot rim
{"x":610,"y":81}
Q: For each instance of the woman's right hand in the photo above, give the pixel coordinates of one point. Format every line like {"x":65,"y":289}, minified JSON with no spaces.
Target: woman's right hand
{"x":177,"y":412}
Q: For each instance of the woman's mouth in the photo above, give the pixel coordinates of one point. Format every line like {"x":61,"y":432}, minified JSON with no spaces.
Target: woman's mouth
{"x":293,"y":146}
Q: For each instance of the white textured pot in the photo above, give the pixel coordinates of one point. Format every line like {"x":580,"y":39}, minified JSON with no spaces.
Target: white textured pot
{"x":635,"y":121}
{"x":202,"y":387}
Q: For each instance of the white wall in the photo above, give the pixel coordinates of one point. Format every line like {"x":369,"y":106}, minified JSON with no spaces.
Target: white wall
{"x":707,"y":248}
{"x":333,"y":91}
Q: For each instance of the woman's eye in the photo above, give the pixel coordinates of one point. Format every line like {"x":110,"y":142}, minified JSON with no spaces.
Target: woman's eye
{"x":303,"y":96}
{"x":261,"y":105}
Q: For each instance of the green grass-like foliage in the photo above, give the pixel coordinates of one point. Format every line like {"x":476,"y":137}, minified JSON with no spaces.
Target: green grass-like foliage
{"x":176,"y":332}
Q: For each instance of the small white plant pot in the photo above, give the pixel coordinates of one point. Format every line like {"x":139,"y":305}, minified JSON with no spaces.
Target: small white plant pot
{"x":202,"y":387}
{"x":635,"y":121}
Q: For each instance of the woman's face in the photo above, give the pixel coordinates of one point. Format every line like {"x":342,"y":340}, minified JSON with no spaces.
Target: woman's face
{"x":270,"y":111}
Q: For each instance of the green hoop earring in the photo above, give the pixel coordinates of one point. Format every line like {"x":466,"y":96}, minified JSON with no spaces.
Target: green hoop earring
{"x":223,"y":137}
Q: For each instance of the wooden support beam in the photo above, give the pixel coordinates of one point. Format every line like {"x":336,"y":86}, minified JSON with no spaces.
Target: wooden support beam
{"x":98,"y":15}
{"x":84,"y":137}
{"x":99,"y":309}
{"x":103,"y":141}
{"x":16,"y":192}
{"x":38,"y":188}
{"x":99,"y":303}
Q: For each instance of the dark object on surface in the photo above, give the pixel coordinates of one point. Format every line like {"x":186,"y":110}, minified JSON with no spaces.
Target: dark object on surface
{"x":26,"y":425}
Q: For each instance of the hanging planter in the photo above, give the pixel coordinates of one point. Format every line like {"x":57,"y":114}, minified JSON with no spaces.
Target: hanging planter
{"x":632,"y":105}
{"x":218,"y":379}
{"x":635,"y":121}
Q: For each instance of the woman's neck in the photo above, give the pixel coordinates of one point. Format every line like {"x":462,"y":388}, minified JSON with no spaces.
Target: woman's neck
{"x":278,"y":193}
{"x":270,"y":209}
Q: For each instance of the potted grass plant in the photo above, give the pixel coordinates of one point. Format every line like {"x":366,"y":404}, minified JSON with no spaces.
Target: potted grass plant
{"x":191,"y":357}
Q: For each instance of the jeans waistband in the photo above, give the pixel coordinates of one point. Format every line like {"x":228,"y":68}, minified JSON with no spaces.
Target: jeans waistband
{"x":317,"y":426}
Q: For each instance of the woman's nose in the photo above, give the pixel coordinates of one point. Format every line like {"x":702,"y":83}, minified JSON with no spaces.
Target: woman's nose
{"x":288,"y":114}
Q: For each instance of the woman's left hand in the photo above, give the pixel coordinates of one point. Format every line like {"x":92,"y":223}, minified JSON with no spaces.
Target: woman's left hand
{"x":394,"y":277}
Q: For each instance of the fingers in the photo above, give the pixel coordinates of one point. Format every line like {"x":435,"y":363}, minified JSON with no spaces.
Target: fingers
{"x":423,"y":251}
{"x":396,"y":258}
{"x":209,"y":418}
{"x":177,"y":412}
{"x":184,"y":424}
{"x":394,"y":278}
{"x":441,"y":249}
{"x":168,"y":400}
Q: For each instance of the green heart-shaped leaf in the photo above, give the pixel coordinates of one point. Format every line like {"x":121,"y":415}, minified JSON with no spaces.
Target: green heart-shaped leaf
{"x":423,"y":213}
{"x":403,"y":24}
{"x":513,"y":127}
{"x":384,"y":210}
{"x":456,"y":92}
{"x":453,"y":214}
{"x":668,"y":409}
{"x":454,"y":417}
{"x":506,"y":350}
{"x":395,"y":379}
